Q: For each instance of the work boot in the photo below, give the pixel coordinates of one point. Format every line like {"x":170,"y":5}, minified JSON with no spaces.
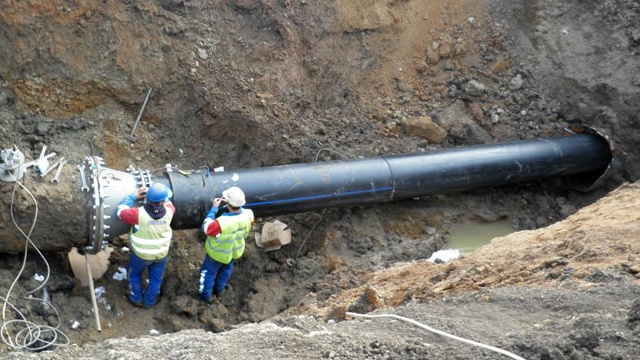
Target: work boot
{"x":136,"y":304}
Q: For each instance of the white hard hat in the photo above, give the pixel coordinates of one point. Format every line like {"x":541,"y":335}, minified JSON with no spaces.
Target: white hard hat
{"x":234,"y":196}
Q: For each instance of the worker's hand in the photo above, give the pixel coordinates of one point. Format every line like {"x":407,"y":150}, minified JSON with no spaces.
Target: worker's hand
{"x":218,"y":201}
{"x":141,"y":193}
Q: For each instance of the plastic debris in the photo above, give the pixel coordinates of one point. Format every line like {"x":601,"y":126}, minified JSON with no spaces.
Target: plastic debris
{"x":124,"y":249}
{"x":104,"y":303}
{"x":37,"y":277}
{"x":443,"y":256}
{"x":120,"y":275}
{"x":75,"y":325}
{"x":99,"y":291}
{"x":153,"y":332}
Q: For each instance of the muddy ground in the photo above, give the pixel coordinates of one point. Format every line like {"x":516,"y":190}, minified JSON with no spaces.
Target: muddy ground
{"x":251,"y":83}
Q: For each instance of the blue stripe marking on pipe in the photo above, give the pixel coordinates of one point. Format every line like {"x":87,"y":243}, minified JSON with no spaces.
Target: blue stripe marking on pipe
{"x":300,"y":199}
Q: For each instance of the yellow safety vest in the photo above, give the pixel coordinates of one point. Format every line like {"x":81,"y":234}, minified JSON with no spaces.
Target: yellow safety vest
{"x":153,"y":238}
{"x":229,"y":244}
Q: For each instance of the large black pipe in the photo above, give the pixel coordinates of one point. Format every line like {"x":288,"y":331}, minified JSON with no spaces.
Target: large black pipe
{"x":297,"y":188}
{"x":90,"y":220}
{"x":305,"y":187}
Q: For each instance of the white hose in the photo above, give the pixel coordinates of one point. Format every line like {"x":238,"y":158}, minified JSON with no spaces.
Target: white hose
{"x":442,"y":333}
{"x":31,"y":336}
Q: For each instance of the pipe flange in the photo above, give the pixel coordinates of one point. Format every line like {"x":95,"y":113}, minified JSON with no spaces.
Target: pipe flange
{"x":96,"y":223}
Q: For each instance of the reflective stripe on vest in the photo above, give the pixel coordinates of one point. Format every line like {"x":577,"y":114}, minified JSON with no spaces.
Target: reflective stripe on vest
{"x":229,"y":244}
{"x":153,"y":238}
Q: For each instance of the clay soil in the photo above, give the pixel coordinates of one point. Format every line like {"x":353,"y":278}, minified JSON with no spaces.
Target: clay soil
{"x":252,"y":83}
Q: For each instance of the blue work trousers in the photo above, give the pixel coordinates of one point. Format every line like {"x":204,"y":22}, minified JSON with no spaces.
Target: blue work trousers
{"x":155,"y":268}
{"x":213,"y":277}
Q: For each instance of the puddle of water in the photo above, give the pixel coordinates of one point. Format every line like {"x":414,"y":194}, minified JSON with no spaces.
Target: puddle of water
{"x":99,"y":264}
{"x":470,"y":236}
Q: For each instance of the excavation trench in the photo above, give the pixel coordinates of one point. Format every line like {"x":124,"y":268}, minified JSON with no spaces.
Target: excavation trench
{"x":266,"y":283}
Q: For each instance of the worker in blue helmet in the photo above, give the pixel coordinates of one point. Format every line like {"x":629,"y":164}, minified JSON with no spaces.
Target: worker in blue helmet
{"x":226,"y":233}
{"x":150,"y":239}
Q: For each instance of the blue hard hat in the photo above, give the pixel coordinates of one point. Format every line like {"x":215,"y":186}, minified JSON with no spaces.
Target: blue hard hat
{"x":159,"y":192}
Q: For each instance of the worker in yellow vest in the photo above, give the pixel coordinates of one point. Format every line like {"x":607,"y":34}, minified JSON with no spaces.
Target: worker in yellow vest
{"x":150,"y":240}
{"x":225,"y":242}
